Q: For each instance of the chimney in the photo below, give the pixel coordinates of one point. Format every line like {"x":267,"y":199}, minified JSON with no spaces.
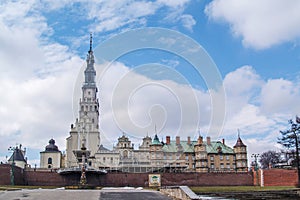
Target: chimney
{"x":200,"y":140}
{"x":223,"y":141}
{"x":189,"y":140}
{"x":177,"y":140}
{"x":168,"y":139}
{"x":208,"y":140}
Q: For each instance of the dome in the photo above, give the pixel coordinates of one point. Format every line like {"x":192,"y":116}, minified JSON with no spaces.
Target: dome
{"x":51,"y":146}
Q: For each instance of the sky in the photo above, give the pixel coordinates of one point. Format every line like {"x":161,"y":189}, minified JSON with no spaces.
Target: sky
{"x":171,"y":67}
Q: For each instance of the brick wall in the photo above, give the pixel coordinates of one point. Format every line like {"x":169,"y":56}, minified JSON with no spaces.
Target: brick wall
{"x":5,"y":175}
{"x":171,"y":179}
{"x":52,"y":178}
{"x":40,"y":178}
{"x":280,"y":177}
{"x":207,"y":179}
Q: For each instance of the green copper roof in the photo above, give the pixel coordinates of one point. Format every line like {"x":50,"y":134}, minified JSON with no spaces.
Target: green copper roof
{"x":189,"y":148}
{"x":156,"y":141}
{"x":183,"y":147}
{"x":214,"y":145}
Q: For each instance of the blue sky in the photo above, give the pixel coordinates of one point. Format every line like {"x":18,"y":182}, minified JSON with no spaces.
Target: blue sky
{"x":255,"y":46}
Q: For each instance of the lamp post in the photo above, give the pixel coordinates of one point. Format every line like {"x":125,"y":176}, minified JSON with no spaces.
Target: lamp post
{"x":12,"y":174}
{"x":255,"y":156}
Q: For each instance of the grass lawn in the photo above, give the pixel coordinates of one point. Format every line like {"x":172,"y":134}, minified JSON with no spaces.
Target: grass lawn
{"x":238,"y":189}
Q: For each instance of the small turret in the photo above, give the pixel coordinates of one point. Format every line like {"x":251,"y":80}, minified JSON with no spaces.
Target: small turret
{"x":240,"y":150}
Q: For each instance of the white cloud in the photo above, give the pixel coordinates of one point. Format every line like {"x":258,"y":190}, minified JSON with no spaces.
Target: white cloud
{"x":134,"y":103}
{"x":280,"y":96}
{"x":112,"y":15}
{"x":237,"y":96}
{"x":258,"y":108}
{"x":260,"y":24}
{"x":188,"y":21}
{"x":36,"y":78}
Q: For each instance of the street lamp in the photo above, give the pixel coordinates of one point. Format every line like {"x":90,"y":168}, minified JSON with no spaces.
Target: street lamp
{"x":12,"y":174}
{"x":255,"y":156}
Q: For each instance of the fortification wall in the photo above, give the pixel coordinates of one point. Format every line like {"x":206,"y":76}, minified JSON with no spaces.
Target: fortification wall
{"x":140,"y":179}
{"x":278,"y":177}
{"x":118,"y":179}
{"x":5,"y":175}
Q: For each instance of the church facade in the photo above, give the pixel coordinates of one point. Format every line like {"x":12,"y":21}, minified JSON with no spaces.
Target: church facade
{"x":152,"y":155}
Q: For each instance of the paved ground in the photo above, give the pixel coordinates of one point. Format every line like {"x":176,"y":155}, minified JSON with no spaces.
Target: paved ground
{"x":58,"y":194}
{"x":130,"y":194}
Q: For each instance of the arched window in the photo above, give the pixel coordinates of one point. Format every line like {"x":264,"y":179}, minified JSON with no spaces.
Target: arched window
{"x":50,"y":161}
{"x":125,"y":154}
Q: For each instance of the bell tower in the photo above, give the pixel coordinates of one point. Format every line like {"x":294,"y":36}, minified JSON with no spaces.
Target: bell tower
{"x":86,"y":128}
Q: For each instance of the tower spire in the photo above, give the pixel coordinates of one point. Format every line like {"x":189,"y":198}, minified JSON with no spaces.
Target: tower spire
{"x":91,"y":42}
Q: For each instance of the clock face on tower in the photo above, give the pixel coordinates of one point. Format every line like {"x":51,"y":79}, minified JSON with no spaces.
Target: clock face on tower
{"x":89,"y":93}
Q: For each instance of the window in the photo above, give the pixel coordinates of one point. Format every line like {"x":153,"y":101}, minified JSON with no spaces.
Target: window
{"x":227,"y":157}
{"x":212,"y":158}
{"x":222,"y":166}
{"x":202,"y":164}
{"x":104,"y":159}
{"x":111,"y":160}
{"x":50,"y":161}
{"x":228,"y":166}
{"x":212,"y":166}
{"x":221,"y":157}
{"x":125,"y":154}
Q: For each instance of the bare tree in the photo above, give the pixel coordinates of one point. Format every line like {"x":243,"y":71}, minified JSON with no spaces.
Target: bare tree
{"x":269,"y":158}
